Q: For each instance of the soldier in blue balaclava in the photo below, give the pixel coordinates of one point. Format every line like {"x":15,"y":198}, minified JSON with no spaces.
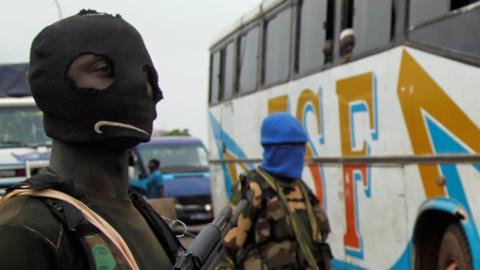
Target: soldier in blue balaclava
{"x":283,"y":140}
{"x":284,"y":226}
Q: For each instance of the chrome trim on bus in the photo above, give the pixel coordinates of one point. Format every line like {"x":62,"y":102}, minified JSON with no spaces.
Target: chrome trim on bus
{"x":398,"y":160}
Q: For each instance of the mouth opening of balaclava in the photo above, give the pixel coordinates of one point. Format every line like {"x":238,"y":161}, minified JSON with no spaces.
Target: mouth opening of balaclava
{"x":286,"y":160}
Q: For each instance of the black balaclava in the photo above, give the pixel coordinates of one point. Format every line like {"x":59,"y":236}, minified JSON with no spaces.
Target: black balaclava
{"x":119,"y":116}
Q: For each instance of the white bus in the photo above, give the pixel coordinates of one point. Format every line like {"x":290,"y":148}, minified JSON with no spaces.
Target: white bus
{"x":24,"y":147}
{"x":388,"y":92}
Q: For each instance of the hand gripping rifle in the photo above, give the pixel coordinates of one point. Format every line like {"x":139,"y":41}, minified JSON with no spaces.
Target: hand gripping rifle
{"x":207,"y":248}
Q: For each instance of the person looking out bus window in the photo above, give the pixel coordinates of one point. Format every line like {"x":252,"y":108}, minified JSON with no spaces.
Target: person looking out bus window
{"x":347,"y":43}
{"x":347,"y":38}
{"x":93,"y":78}
{"x":328,"y":51}
{"x":284,"y":225}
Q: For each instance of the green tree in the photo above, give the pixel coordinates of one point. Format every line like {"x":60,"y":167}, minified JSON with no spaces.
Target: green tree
{"x":178,"y":132}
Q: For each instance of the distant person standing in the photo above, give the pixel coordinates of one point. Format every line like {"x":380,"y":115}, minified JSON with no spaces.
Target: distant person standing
{"x":152,"y":185}
{"x":155,"y":182}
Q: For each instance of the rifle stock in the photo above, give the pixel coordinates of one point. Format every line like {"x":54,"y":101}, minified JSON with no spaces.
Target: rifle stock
{"x":207,"y":248}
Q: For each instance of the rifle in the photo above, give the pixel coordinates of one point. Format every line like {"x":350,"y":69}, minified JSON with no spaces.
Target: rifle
{"x":207,"y":248}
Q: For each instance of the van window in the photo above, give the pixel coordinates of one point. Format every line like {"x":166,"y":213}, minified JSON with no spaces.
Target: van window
{"x":313,"y":15}
{"x":176,"y":157}
{"x":229,"y":67}
{"x":277,"y":46}
{"x":248,"y":51}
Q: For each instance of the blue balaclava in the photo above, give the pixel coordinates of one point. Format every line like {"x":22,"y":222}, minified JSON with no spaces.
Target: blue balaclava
{"x":283,"y":140}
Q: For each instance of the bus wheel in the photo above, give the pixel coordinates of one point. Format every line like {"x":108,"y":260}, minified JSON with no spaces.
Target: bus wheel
{"x":454,"y":251}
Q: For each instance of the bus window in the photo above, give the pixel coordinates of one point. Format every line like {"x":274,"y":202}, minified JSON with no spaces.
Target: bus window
{"x":329,"y":32}
{"x":215,"y":79}
{"x":422,"y":11}
{"x":456,"y":4}
{"x":229,"y":71}
{"x":372,"y":21}
{"x":277,"y":40}
{"x":347,"y":38}
{"x":347,"y":13}
{"x":248,"y":50}
{"x":366,"y":29}
{"x":311,"y":31}
{"x":455,"y":34}
{"x":425,"y":10}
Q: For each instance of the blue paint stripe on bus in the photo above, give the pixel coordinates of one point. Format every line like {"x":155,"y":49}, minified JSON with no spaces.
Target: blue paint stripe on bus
{"x":405,"y":261}
{"x":221,"y":137}
{"x":445,"y":143}
{"x":342,"y":265}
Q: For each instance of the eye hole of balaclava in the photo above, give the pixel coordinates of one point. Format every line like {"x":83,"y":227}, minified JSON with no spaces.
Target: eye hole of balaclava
{"x":153,"y":91}
{"x":91,"y":71}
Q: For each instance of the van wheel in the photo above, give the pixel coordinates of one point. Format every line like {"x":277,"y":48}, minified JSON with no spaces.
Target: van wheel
{"x":454,"y":250}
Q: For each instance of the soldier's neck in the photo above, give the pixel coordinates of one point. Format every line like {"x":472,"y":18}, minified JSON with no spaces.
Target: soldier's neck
{"x":91,"y":168}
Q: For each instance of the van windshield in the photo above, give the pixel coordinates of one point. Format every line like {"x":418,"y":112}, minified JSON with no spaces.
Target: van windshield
{"x":22,"y":126}
{"x":176,"y":157}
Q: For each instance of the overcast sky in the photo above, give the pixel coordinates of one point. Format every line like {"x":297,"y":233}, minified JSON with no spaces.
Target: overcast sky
{"x":177,"y":33}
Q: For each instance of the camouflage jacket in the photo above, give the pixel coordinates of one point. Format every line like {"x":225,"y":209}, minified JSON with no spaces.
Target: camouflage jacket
{"x":264,"y":237}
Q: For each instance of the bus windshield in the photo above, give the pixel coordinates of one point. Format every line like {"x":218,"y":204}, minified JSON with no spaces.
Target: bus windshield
{"x":176,"y":158}
{"x":22,"y":126}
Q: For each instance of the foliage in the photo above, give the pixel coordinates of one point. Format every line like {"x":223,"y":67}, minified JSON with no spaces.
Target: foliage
{"x":177,"y":132}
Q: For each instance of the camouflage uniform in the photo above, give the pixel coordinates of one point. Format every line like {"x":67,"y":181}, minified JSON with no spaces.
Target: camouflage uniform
{"x":264,"y":237}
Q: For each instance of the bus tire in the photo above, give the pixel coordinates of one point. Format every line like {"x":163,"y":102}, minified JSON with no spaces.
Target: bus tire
{"x":454,"y":251}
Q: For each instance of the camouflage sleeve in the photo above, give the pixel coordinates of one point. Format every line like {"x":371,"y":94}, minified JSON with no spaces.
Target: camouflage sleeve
{"x":324,"y":224}
{"x":236,"y":237}
{"x":225,"y":264}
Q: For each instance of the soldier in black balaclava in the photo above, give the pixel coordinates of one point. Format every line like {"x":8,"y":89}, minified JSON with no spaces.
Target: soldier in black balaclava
{"x":93,"y":78}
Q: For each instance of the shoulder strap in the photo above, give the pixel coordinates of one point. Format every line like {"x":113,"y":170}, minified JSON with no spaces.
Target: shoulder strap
{"x":92,"y":217}
{"x":72,"y":218}
{"x":161,"y":230}
{"x":300,"y":235}
{"x":39,"y":182}
{"x":311,"y":215}
{"x":306,"y":194}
